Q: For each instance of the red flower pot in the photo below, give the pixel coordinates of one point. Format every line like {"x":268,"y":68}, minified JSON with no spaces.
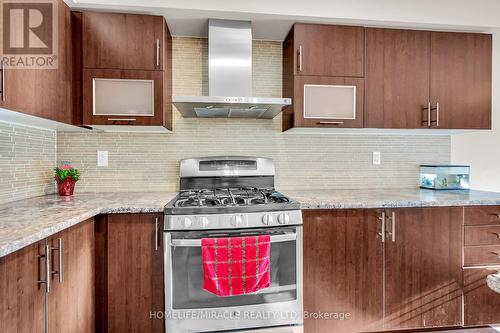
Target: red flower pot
{"x":66,"y":187}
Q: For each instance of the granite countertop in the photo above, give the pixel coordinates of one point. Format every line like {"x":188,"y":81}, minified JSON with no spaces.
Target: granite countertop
{"x":391,"y":198}
{"x":25,"y":222}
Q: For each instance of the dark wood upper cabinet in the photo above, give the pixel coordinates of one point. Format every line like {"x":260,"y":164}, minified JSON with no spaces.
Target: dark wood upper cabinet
{"x":328,"y":50}
{"x":423,"y":264}
{"x":22,"y":299}
{"x":129,"y":261}
{"x":127,"y":75}
{"x":343,"y":269}
{"x":47,"y":92}
{"x":397,"y":78}
{"x":323,"y":69}
{"x":461,"y":72}
{"x":71,"y":306}
{"x":123,"y":41}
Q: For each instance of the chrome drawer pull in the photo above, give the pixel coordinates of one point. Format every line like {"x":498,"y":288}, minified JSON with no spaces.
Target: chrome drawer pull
{"x":496,"y":234}
{"x":496,"y":253}
{"x":496,"y":215}
{"x":122,"y":119}
{"x":330,"y":122}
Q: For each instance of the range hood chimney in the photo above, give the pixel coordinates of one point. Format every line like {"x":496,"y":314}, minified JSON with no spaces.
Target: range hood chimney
{"x":230,"y":77}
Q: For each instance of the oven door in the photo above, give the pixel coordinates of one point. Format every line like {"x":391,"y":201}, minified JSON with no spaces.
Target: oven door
{"x":184,"y":279}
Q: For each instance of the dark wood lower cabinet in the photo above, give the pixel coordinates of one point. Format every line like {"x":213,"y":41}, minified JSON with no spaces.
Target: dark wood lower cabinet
{"x":412,"y":280}
{"x":70,"y":301}
{"x":71,"y":305}
{"x":343,"y":270}
{"x":481,"y":304}
{"x":22,"y":300}
{"x":423,"y":282}
{"x":129,"y":264}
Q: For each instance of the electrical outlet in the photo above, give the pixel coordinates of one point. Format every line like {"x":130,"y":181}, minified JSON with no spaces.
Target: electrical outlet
{"x":102,"y":158}
{"x":376,"y":158}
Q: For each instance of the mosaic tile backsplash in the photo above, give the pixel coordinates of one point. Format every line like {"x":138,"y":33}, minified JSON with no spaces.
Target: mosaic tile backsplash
{"x":27,"y":156}
{"x":150,"y":162}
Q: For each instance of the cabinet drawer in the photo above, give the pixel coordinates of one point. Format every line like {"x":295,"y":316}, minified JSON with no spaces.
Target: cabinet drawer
{"x":482,"y":235}
{"x":481,"y":304}
{"x":482,"y":255}
{"x":482,"y":215}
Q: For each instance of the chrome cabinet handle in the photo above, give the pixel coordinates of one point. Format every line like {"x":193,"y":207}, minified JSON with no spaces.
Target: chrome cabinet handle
{"x":437,"y":114}
{"x":122,"y":119}
{"x":300,"y":58}
{"x":496,"y":215}
{"x":46,"y":256}
{"x":382,"y":231}
{"x":330,"y":123}
{"x":393,"y":229}
{"x":59,"y":271}
{"x":156,"y":234}
{"x":497,"y":254}
{"x":496,"y":234}
{"x":157,"y":53}
{"x":428,"y":109}
{"x":2,"y":68}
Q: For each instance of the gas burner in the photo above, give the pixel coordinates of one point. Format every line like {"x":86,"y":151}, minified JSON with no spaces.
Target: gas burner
{"x":222,"y":197}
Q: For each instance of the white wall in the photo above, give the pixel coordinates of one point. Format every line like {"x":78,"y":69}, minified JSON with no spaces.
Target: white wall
{"x":482,"y":149}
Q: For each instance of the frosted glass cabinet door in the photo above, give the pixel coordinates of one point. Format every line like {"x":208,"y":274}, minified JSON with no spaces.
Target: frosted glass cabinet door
{"x":119,"y":97}
{"x":329,"y":101}
{"x":122,"y":97}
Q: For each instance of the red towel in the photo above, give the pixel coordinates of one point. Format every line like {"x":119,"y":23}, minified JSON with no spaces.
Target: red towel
{"x":236,"y":265}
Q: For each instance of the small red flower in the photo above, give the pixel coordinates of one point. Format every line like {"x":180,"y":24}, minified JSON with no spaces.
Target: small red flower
{"x":66,"y":167}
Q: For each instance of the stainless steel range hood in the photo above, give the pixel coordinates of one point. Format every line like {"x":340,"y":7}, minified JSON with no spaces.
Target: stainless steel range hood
{"x":230,"y":77}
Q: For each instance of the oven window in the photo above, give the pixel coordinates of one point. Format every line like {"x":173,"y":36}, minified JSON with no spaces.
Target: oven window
{"x":187,"y":279}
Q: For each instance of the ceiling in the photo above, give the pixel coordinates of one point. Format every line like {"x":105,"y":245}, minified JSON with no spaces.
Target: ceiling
{"x":272,"y":19}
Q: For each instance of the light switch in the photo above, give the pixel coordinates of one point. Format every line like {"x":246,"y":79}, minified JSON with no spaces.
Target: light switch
{"x":102,"y":158}
{"x":376,"y":158}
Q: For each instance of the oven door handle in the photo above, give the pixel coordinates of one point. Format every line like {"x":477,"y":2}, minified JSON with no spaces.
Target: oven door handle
{"x":197,"y":242}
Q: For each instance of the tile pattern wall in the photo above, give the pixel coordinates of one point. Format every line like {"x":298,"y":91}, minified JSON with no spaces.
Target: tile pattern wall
{"x":27,"y":156}
{"x":148,"y":162}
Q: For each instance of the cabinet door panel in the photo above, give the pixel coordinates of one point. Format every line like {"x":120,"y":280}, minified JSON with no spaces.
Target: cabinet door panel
{"x":134,"y":272}
{"x":461,"y":79}
{"x":46,"y":93}
{"x":397,"y":78}
{"x":481,"y":304}
{"x":71,"y":302}
{"x":343,"y":264}
{"x":154,"y":78}
{"x":424,"y":268}
{"x":330,"y":104}
{"x":122,"y":41}
{"x":22,"y":307}
{"x":329,"y":50}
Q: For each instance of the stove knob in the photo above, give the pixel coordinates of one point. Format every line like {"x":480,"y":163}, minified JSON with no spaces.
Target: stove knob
{"x":267,"y":219}
{"x":187,"y":223}
{"x":283,"y":218}
{"x":236,"y":220}
{"x":204,"y":222}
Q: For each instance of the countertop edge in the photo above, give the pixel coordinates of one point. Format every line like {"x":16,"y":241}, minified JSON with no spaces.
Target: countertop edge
{"x":50,"y":231}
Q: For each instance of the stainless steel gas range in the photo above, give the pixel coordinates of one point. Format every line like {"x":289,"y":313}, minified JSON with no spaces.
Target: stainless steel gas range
{"x":225,"y":197}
